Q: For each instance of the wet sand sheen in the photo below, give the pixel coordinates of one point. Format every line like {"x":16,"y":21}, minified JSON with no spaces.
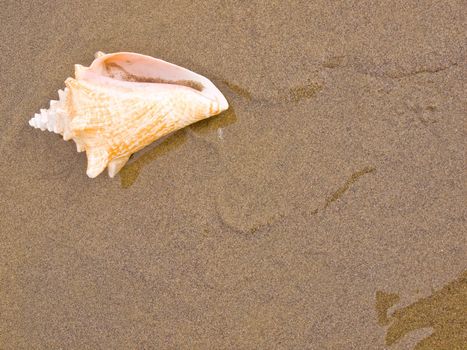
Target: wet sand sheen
{"x":443,"y":312}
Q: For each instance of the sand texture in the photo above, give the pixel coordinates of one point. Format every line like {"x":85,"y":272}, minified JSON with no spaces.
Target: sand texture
{"x":324,"y":210}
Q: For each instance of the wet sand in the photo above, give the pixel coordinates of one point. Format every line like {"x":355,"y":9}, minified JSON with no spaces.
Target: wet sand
{"x":324,"y":210}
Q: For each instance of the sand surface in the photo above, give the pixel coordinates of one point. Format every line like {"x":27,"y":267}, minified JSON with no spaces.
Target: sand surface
{"x":324,"y":210}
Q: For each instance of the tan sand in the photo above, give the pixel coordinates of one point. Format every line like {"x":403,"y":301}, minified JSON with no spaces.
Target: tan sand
{"x":325,"y":210}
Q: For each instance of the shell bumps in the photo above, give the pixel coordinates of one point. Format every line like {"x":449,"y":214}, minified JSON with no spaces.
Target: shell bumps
{"x":123,"y":102}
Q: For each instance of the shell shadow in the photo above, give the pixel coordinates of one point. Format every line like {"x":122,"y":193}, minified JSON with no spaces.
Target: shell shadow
{"x":131,"y":171}
{"x":209,"y":125}
{"x":139,"y":160}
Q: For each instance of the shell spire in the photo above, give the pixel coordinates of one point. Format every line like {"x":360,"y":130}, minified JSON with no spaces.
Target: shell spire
{"x":51,"y":119}
{"x":123,"y":102}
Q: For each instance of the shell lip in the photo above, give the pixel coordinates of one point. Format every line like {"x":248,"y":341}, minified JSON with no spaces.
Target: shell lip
{"x":223,"y":103}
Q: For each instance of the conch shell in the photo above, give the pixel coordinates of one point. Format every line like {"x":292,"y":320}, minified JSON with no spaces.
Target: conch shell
{"x":123,"y":102}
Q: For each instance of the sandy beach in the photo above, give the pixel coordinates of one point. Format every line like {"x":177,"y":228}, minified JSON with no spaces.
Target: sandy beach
{"x":324,"y":210}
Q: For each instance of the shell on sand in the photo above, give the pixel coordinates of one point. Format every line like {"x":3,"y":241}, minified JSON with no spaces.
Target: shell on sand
{"x":123,"y":102}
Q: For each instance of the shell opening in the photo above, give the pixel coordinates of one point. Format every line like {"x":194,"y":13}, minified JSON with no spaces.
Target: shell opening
{"x":134,"y":68}
{"x":131,"y":67}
